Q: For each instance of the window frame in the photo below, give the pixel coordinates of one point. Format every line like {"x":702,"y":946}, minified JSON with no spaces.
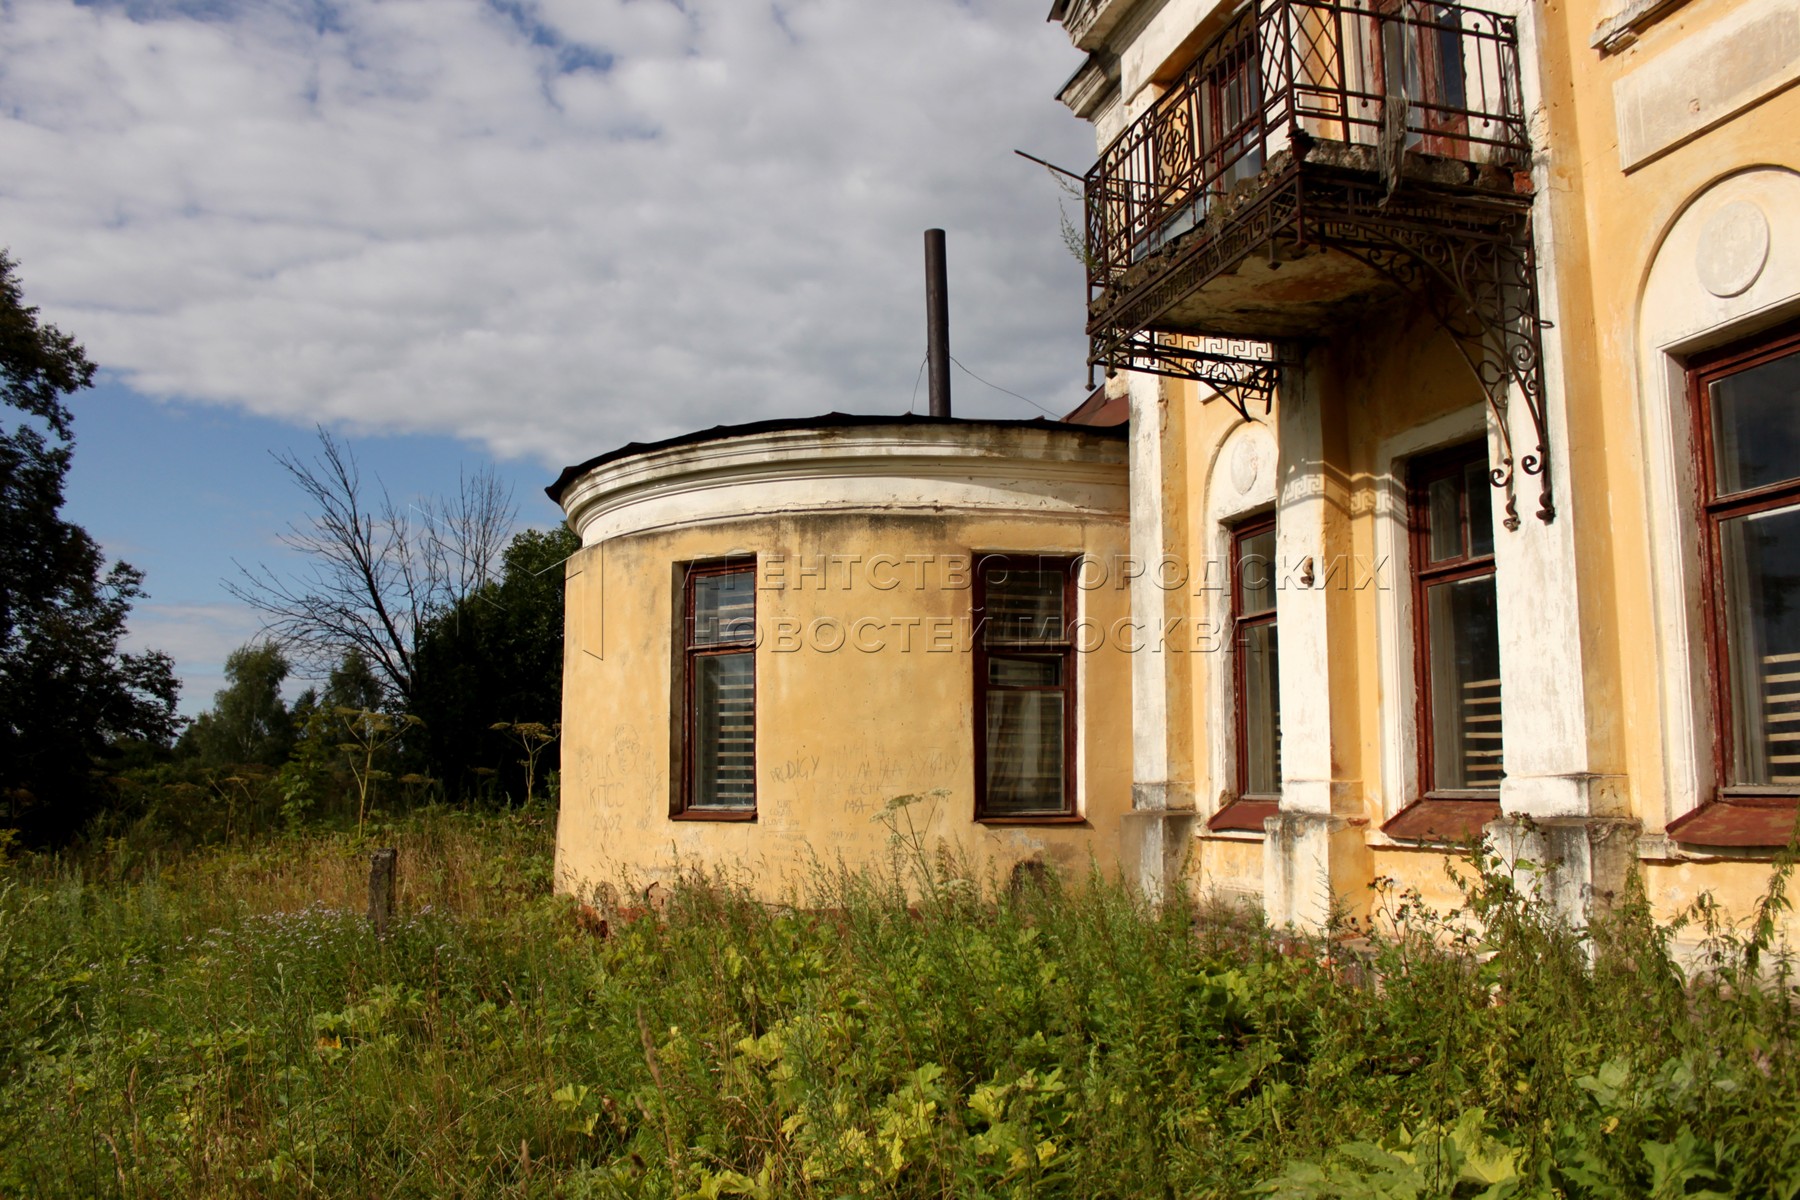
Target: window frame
{"x":1065,"y":649}
{"x":1711,"y":512}
{"x":1232,"y":150}
{"x":1239,"y":667}
{"x":1244,"y":812}
{"x":1442,"y":91}
{"x":1422,"y":472}
{"x":682,"y":806}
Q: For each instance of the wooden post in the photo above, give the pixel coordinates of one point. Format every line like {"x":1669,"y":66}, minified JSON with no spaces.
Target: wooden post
{"x":381,"y":888}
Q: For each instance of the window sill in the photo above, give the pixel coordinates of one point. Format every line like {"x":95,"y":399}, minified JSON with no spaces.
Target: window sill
{"x":713,"y":814}
{"x":1032,"y":819}
{"x":1446,"y":822}
{"x":1243,"y":816}
{"x":1628,"y":22}
{"x":1758,"y":820}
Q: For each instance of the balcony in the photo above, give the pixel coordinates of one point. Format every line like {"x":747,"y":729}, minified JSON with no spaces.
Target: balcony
{"x":1318,"y":159}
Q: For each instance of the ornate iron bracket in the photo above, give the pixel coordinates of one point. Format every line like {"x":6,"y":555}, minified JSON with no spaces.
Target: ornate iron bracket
{"x":1483,"y":292}
{"x":1241,"y":372}
{"x":1466,"y":256}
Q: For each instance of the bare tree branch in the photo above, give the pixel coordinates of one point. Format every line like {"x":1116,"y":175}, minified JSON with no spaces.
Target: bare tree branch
{"x":375,"y":572}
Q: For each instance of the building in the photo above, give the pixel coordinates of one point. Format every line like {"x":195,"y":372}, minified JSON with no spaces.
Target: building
{"x":775,"y":630}
{"x":1461,"y":351}
{"x":1504,"y":297}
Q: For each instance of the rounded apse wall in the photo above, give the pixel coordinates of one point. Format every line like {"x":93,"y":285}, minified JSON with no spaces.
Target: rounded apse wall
{"x":776,"y":657}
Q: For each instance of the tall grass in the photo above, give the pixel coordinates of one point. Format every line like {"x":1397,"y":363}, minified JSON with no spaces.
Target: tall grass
{"x":224,"y":1024}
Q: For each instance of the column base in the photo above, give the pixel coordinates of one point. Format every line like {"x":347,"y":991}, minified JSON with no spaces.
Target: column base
{"x":1585,"y":859}
{"x":1153,"y":849}
{"x":1314,"y":866}
{"x":1572,"y":796}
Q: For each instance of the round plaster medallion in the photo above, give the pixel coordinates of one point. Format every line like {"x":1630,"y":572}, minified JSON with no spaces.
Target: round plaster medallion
{"x":1246,"y":465}
{"x":1734,"y":245}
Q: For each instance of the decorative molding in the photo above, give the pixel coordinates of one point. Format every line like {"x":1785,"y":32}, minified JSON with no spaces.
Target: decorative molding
{"x":869,"y":469}
{"x":1733,"y":249}
{"x":1624,"y":26}
{"x":1088,"y":22}
{"x":1091,"y":87}
{"x":1676,"y":316}
{"x":1705,"y":79}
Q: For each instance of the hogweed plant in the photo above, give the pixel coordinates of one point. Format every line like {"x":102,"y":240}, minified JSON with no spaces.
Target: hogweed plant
{"x":534,"y":737}
{"x":369,"y":736}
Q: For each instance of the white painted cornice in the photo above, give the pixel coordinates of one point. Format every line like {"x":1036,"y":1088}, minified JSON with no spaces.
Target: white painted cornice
{"x":1094,"y":85}
{"x":1088,"y":22}
{"x":872,"y":469}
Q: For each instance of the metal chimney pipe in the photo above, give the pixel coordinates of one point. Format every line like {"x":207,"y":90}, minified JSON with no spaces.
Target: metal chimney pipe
{"x":937,"y":322}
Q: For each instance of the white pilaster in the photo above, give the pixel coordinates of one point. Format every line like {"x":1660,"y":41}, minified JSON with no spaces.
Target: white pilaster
{"x":1301,"y":537}
{"x":1151,"y":729}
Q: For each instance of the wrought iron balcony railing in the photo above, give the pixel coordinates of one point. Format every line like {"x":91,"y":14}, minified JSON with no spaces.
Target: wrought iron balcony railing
{"x":1391,"y":76}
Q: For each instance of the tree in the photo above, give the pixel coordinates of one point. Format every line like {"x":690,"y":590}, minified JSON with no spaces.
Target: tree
{"x":249,"y":722}
{"x":68,"y":694}
{"x":377,"y":572}
{"x":493,"y":663}
{"x":352,"y":684}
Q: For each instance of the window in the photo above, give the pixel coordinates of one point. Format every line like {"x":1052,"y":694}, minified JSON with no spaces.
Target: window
{"x":1210,"y":141}
{"x":1746,"y":405}
{"x":1256,"y":687}
{"x":1230,"y":118}
{"x":1417,"y":58}
{"x":1024,"y":662}
{"x":1456,"y":617}
{"x":719,"y":680}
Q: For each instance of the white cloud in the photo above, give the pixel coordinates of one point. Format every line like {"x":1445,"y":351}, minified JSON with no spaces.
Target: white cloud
{"x":198,"y":637}
{"x":552,"y":225}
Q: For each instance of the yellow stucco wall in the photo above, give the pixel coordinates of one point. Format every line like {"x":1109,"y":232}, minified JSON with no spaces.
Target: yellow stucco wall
{"x":1610,"y":223}
{"x":1611,"y":219}
{"x":1601,"y":223}
{"x":1397,"y":374}
{"x":839,"y":733}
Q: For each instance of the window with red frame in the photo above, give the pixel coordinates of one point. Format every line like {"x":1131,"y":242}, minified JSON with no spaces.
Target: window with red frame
{"x":1746,"y":404}
{"x":1024,"y":660}
{"x":1253,"y":641}
{"x":1457,"y":633}
{"x":1230,"y":118}
{"x":1417,"y":56}
{"x":1255,"y":680}
{"x":719,"y":681}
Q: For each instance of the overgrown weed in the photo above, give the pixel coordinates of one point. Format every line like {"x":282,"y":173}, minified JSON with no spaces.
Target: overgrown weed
{"x":225,"y":1024}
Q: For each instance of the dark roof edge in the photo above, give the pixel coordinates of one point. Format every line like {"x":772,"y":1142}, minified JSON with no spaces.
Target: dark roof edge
{"x":828,"y":421}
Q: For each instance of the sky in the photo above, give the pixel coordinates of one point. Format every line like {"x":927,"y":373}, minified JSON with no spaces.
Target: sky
{"x":512,"y":233}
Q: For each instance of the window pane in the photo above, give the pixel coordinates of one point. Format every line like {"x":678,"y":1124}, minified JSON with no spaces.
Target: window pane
{"x":1024,"y":604}
{"x":1756,"y":425}
{"x":724,"y":608}
{"x":1025,"y":672}
{"x":1481,"y":510}
{"x":723,"y":766}
{"x":1024,"y":752}
{"x":1760,"y":556}
{"x":1464,"y":645}
{"x":1262,"y":710}
{"x":1256,"y":573}
{"x":1444,"y":518}
{"x":1447,"y":89}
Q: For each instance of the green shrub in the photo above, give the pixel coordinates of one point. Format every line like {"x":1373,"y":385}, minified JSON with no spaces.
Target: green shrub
{"x":224,"y":1023}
